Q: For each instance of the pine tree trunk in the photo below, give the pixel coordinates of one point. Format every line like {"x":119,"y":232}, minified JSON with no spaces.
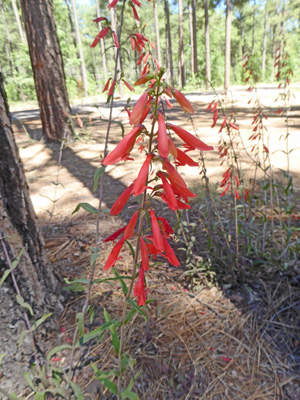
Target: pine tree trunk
{"x":181,"y":52}
{"x":10,"y":50}
{"x":157,"y":31}
{"x":191,"y":38}
{"x":80,"y":49}
{"x":253,"y":29}
{"x":194,"y":45}
{"x":227,"y":44}
{"x":20,"y":28}
{"x":169,"y":45}
{"x":19,"y":230}
{"x":207,"y":45}
{"x":264,"y":50}
{"x":47,"y":66}
{"x":102,"y":47}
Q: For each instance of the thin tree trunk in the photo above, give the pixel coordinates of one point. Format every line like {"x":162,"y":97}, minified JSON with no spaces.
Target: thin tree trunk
{"x":194,"y":45}
{"x":47,"y":66}
{"x":264,"y":50}
{"x":19,"y":230}
{"x":20,"y":28}
{"x":181,"y":52}
{"x":157,"y":31}
{"x":191,"y":38}
{"x":207,"y":45}
{"x":227,"y":44}
{"x":83,"y":68}
{"x":253,"y":29}
{"x":102,"y":47}
{"x":169,"y":45}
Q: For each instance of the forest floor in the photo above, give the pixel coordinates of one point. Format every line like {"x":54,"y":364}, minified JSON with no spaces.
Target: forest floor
{"x":204,"y":341}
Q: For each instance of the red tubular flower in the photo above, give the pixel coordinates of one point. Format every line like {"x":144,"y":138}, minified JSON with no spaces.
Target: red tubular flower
{"x":99,"y":19}
{"x":209,"y":106}
{"x":114,"y":255}
{"x":157,"y":236}
{"x":130,"y":227}
{"x":140,"y":59}
{"x":170,"y":253}
{"x":144,"y":254}
{"x":106,"y":85}
{"x":234,"y":126}
{"x":168,"y":103}
{"x":115,"y":235}
{"x":145,"y":112}
{"x":111,"y":89}
{"x":139,"y":288}
{"x":173,"y":174}
{"x":116,"y":40}
{"x":123,"y":149}
{"x":157,"y":64}
{"x":132,"y":43}
{"x":135,"y":14}
{"x":163,"y":145}
{"x":223,"y":125}
{"x":167,"y":90}
{"x":226,"y":189}
{"x":146,"y":57}
{"x":190,"y":139}
{"x":138,"y":109}
{"x":215,"y":106}
{"x":172,"y":148}
{"x":121,"y":201}
{"x":184,"y":159}
{"x":100,"y":35}
{"x":183,"y":101}
{"x":152,"y":45}
{"x":143,"y":79}
{"x":145,"y":69}
{"x":140,"y":182}
{"x":113,"y":4}
{"x":169,"y":194}
{"x":183,"y":206}
{"x":165,"y":227}
{"x":129,"y":86}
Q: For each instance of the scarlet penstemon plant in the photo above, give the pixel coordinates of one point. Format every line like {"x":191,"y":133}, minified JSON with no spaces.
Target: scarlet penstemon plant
{"x":158,"y":178}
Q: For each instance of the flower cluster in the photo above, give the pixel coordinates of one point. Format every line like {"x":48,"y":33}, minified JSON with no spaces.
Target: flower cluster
{"x":165,"y":147}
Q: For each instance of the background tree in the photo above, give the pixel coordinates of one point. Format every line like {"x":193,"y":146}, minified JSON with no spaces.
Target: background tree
{"x":19,"y":230}
{"x":47,"y":66}
{"x":181,"y":53}
{"x":227,"y":44}
{"x":169,"y":45}
{"x":207,"y":45}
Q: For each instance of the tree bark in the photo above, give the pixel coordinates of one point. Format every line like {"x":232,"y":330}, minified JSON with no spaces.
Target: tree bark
{"x":181,"y":52}
{"x":191,"y":38}
{"x":264,"y":50}
{"x":169,"y":45}
{"x":102,"y":47}
{"x":253,"y":29}
{"x":83,"y":68}
{"x":207,"y":45}
{"x":157,"y":31}
{"x":47,"y":65}
{"x":19,"y":230}
{"x":227,"y":44}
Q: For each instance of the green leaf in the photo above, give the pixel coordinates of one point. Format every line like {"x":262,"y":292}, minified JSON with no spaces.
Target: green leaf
{"x":126,"y":361}
{"x":98,"y":331}
{"x":77,"y":391}
{"x":115,"y":122}
{"x":80,"y":323}
{"x":97,"y":175}
{"x":40,"y":321}
{"x":112,"y":387}
{"x":92,"y":314}
{"x":21,"y":337}
{"x":24,"y":304}
{"x":57,"y":349}
{"x":115,"y":341}
{"x":94,"y":257}
{"x":28,"y":380}
{"x":130,"y":315}
{"x":131,"y":249}
{"x":112,"y":279}
{"x":103,"y":375}
{"x":128,"y":394}
{"x":137,"y":308}
{"x":87,"y":207}
{"x":14,"y":264}
{"x":39,"y":396}
{"x":123,"y":284}
{"x":2,"y":355}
